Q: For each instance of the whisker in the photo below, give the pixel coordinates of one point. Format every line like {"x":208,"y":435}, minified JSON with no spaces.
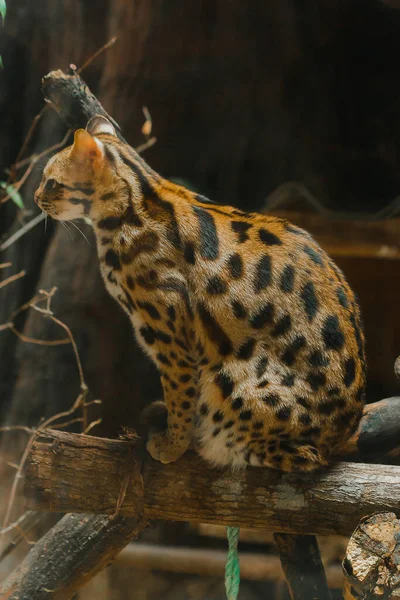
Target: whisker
{"x":80,"y":231}
{"x":63,"y":223}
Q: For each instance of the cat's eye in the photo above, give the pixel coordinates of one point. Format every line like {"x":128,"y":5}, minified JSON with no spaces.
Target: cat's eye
{"x":51,"y":185}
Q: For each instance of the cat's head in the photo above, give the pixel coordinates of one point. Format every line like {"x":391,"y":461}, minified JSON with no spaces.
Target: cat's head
{"x":76,"y":179}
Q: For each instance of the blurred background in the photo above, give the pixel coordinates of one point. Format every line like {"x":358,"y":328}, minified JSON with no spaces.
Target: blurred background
{"x":290,"y":106}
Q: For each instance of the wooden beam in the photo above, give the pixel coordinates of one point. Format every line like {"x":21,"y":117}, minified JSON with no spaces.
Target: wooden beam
{"x":69,"y":555}
{"x":75,"y":473}
{"x":301,"y":563}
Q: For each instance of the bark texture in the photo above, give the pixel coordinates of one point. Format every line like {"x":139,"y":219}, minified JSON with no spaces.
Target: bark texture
{"x":73,"y":473}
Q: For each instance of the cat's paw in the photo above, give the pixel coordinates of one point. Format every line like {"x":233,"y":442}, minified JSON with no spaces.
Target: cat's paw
{"x":161,"y":447}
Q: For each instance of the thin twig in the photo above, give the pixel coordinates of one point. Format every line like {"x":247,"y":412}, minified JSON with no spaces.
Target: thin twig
{"x":16,"y":523}
{"x":18,"y":234}
{"x":35,"y":157}
{"x":7,"y":428}
{"x":96,"y":54}
{"x":17,"y":477}
{"x":146,"y":145}
{"x":91,"y":425}
{"x":5,"y":265}
{"x":66,"y":423}
{"x":29,"y":340}
{"x":25,"y":143}
{"x":12,"y":278}
{"x":18,"y":185}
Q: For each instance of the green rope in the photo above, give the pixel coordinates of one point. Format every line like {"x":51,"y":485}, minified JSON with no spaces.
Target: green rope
{"x":232,"y":567}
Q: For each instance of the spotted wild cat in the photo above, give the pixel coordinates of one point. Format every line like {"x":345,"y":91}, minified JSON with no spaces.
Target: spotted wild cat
{"x":254,"y":329}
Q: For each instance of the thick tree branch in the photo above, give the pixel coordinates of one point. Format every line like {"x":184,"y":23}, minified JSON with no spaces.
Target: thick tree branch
{"x":75,"y":473}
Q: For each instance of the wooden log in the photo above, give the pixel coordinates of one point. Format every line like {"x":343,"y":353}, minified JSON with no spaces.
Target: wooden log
{"x":378,"y":435}
{"x":204,"y":561}
{"x":69,"y":555}
{"x":371,"y":565}
{"x":302,"y":565}
{"x":72,"y":99}
{"x":73,"y":473}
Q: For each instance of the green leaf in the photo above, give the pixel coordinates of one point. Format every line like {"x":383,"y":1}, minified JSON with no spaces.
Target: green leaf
{"x":3,"y":9}
{"x":1,"y":62}
{"x":14,"y":194}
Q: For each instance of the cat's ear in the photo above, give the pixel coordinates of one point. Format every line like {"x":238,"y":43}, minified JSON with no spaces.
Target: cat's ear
{"x":99,"y":124}
{"x":86,"y":148}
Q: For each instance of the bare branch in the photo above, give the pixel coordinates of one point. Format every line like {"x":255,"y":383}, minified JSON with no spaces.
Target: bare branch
{"x":12,"y":278}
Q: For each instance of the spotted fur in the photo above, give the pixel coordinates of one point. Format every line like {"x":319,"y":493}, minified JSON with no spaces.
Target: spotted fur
{"x":254,"y":329}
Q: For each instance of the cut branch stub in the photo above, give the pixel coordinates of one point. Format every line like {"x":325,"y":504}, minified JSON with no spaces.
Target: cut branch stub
{"x":372,"y":562}
{"x":72,"y":99}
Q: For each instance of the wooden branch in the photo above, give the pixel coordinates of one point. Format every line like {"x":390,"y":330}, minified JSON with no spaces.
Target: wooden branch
{"x":371,"y":565}
{"x":205,"y":561}
{"x":69,"y":95}
{"x":69,"y":555}
{"x":75,"y":473}
{"x":378,"y":434}
{"x":301,"y":563}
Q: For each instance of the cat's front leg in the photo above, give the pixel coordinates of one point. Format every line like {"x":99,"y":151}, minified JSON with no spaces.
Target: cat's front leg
{"x":180,"y":397}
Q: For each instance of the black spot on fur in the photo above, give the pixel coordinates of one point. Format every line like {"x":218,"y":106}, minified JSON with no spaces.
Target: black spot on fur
{"x":303,"y":402}
{"x":287,"y":279}
{"x":316,"y":380}
{"x":290,"y":354}
{"x":271,"y":399}
{"x":246,"y":350}
{"x":111,"y":259}
{"x":288,"y":381}
{"x":261,"y":366}
{"x":186,"y":405}
{"x":188,"y":253}
{"x":263,"y":274}
{"x":147,"y":334}
{"x":317,"y":359}
{"x":314,"y":255}
{"x":349,"y":372}
{"x":171,"y":313}
{"x":218,"y":416}
{"x":241,"y":228}
{"x":130,"y":282}
{"x":110,"y":223}
{"x":282,"y":326}
{"x":245,"y":415}
{"x":239,"y":310}
{"x":310,"y":300}
{"x":235,"y":266}
{"x":270,"y":239}
{"x":237,"y":403}
{"x":332,"y":334}
{"x":209,"y":242}
{"x":263,"y":317}
{"x":164,"y":359}
{"x":341,"y":294}
{"x":283,"y":414}
{"x":214,"y":331}
{"x":216,"y":286}
{"x":305,"y":419}
{"x":204,"y":410}
{"x":225,"y":383}
{"x":150,"y":309}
